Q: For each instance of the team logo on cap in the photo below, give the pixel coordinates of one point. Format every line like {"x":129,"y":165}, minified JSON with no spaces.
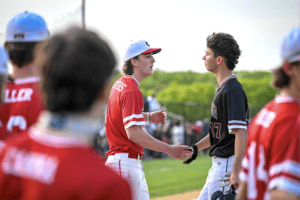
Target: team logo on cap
{"x":147,"y":44}
{"x":19,"y":35}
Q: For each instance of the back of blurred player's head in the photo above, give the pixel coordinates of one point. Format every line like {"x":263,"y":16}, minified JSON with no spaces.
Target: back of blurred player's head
{"x":3,"y":72}
{"x":290,"y":55}
{"x":224,"y":45}
{"x":75,"y":67}
{"x":23,"y":32}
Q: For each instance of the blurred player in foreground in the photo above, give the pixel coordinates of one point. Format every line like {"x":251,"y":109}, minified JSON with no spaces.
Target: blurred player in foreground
{"x":229,"y":117}
{"x":125,"y":121}
{"x":271,"y":166}
{"x":54,"y":159}
{"x":3,"y":72}
{"x":22,"y":104}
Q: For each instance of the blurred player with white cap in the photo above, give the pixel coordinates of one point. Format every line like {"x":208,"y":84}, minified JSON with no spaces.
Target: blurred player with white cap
{"x":3,"y":72}
{"x":271,"y":166}
{"x":22,"y":103}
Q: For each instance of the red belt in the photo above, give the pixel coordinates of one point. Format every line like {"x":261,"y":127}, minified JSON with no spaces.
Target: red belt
{"x":133,"y":155}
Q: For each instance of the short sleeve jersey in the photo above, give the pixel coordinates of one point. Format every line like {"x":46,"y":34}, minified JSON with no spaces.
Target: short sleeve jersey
{"x":34,"y":165}
{"x":229,"y":110}
{"x":272,"y":157}
{"x":124,"y":109}
{"x":22,"y":106}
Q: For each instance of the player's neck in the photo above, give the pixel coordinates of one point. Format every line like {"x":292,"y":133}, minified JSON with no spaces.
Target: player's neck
{"x":24,"y":72}
{"x":74,"y":126}
{"x":222,"y":75}
{"x":138,"y":77}
{"x":291,"y":91}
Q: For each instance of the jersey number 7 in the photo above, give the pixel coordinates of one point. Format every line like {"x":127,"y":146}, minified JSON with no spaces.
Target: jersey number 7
{"x":215,"y":126}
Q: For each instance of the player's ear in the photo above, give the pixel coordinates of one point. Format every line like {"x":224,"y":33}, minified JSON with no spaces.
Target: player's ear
{"x":287,"y":68}
{"x":133,"y":62}
{"x":220,"y":60}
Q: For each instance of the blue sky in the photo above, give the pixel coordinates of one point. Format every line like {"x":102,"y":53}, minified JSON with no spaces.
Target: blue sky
{"x":179,"y":27}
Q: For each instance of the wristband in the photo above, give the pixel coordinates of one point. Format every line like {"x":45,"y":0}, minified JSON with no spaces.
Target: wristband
{"x":148,"y":116}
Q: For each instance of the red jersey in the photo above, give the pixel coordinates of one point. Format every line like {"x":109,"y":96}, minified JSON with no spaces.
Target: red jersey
{"x":124,"y":109}
{"x":34,"y":165}
{"x":22,"y":106}
{"x":272,"y":158}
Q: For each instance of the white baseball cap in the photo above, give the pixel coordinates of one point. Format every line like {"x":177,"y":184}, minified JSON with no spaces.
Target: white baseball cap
{"x":26,"y":27}
{"x":290,"y":46}
{"x":139,"y":47}
{"x":3,"y":61}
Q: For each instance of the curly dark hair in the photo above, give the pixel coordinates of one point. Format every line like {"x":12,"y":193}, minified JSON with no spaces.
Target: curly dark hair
{"x":225,"y":45}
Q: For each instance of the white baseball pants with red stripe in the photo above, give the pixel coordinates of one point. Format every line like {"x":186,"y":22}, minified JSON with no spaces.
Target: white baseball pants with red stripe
{"x":131,"y":170}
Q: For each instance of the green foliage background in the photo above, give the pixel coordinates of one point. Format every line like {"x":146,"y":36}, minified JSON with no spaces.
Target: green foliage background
{"x":190,"y":93}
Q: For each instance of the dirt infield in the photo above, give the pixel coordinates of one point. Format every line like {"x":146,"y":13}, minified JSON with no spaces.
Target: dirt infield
{"x":183,"y":196}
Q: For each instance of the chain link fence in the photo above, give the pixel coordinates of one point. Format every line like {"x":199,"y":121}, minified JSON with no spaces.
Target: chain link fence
{"x":191,"y":111}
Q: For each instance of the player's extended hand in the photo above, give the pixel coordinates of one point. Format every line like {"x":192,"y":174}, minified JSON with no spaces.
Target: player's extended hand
{"x":181,"y":152}
{"x":234,"y":180}
{"x":194,"y":150}
{"x":158,"y":117}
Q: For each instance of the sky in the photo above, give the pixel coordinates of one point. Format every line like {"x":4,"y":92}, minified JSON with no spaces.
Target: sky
{"x":179,"y":27}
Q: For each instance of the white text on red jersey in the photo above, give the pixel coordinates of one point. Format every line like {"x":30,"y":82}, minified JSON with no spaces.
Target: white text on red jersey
{"x":12,"y":96}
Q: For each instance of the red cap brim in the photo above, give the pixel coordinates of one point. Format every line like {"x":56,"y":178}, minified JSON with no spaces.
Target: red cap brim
{"x":152,"y":50}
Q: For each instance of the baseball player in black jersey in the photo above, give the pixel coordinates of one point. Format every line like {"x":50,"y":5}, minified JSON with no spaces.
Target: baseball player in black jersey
{"x":229,"y":117}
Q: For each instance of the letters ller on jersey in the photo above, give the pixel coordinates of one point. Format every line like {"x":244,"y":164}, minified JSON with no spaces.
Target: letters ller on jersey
{"x":12,"y":96}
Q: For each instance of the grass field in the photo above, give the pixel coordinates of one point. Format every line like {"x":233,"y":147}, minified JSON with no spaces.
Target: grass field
{"x":170,"y":176}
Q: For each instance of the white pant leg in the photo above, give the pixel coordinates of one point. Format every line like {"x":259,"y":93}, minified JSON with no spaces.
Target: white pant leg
{"x":204,"y":192}
{"x":220,"y":166}
{"x":131,"y":170}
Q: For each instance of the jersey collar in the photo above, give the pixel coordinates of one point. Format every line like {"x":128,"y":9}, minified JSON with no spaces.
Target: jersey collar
{"x":281,"y":99}
{"x":134,"y":79}
{"x":33,"y":79}
{"x":69,"y":129}
{"x":225,"y":81}
{"x":55,"y":140}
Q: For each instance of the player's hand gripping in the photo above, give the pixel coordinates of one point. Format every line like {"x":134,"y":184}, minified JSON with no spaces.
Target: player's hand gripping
{"x":181,"y":152}
{"x":194,"y":150}
{"x":226,"y":180}
{"x":158,"y":117}
{"x":229,"y":179}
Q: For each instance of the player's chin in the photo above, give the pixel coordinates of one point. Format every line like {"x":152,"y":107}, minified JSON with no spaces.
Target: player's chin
{"x":150,"y":72}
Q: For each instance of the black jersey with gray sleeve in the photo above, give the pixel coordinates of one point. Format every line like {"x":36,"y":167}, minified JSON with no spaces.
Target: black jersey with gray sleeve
{"x":229,"y":110}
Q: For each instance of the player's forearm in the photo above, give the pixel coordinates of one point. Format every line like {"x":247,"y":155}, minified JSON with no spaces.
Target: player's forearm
{"x":280,"y":194}
{"x":145,"y":115}
{"x":142,"y":138}
{"x":242,"y":194}
{"x":204,"y":143}
{"x":239,"y":149}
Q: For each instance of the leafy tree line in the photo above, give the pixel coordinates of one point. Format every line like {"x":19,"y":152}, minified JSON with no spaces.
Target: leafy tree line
{"x":191,"y":93}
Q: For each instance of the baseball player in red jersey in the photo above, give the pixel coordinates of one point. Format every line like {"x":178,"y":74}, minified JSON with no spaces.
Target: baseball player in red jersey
{"x":54,"y":159}
{"x":271,"y":166}
{"x":125,"y":121}
{"x":22,"y":103}
{"x":3,"y":72}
